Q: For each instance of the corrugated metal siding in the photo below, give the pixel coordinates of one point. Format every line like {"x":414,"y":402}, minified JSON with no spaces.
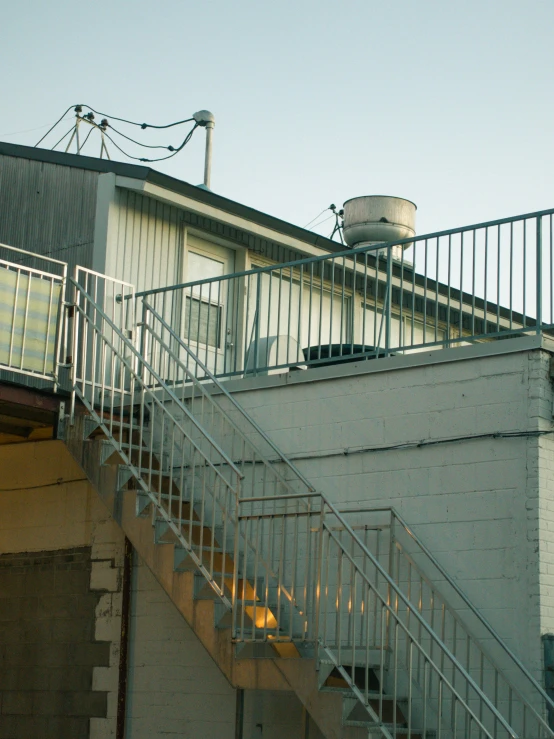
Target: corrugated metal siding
{"x":145,"y":246}
{"x":48,"y":209}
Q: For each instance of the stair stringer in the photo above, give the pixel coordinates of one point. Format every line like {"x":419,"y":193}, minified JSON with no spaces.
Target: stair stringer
{"x":255,"y":674}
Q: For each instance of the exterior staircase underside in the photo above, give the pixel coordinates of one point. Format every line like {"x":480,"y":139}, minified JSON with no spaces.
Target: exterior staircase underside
{"x":197,"y":605}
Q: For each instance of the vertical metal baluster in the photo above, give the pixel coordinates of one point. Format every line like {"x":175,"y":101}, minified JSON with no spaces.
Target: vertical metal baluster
{"x":342,"y":297}
{"x":256,"y":556}
{"x":539,"y":274}
{"x":439,"y":717}
{"x":278,"y":319}
{"x":410,"y":683}
{"x":511,"y":273}
{"x":364,"y":304}
{"x":351,"y":306}
{"x":310,"y":307}
{"x":289,"y":317}
{"x":449,"y":289}
{"x":461,"y":325}
{"x":332,"y":262}
{"x":425,"y":689}
{"x":425,"y":282}
{"x":292,"y":601}
{"x":413,"y":296}
{"x":320,"y":322}
{"x":486,"y":280}
{"x":524,"y":273}
{"x":395,"y":681}
{"x":388,"y":307}
{"x":299,"y":326}
{"x":437,"y":290}
{"x":338,"y":622}
{"x":382,"y":661}
{"x":550,"y":285}
{"x":498,"y":296}
{"x":473,"y":284}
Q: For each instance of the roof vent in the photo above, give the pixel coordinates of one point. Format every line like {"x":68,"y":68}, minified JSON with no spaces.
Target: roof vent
{"x":375,"y":219}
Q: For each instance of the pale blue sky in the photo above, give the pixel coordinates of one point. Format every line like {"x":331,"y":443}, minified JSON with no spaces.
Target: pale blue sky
{"x":448,"y":104}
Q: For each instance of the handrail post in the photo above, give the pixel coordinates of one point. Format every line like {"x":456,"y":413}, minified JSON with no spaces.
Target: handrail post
{"x":388,"y":301}
{"x":257,"y":324}
{"x":318,"y":582}
{"x":539,"y":273}
{"x":236,"y":556}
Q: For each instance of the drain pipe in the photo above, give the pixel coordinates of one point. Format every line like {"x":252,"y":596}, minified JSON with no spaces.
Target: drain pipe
{"x":207,"y":120}
{"x":124,"y":642}
{"x":239,"y":714}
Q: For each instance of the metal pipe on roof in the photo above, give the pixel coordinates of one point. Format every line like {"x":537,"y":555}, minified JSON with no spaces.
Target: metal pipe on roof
{"x":207,"y":120}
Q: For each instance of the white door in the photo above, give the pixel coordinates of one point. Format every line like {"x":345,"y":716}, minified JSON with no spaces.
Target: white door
{"x":205,"y":324}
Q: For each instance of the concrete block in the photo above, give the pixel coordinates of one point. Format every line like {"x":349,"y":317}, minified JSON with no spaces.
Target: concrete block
{"x":104,"y":577}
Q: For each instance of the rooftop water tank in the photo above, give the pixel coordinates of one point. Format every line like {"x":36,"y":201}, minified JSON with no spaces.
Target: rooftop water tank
{"x":374,"y":219}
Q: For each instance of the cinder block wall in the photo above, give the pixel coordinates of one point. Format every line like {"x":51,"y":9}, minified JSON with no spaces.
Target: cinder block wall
{"x":176,"y":690}
{"x":484,"y":506}
{"x":60,"y":599}
{"x":48,"y":646}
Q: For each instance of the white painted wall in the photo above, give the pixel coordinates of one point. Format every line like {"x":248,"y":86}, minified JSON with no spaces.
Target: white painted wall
{"x":176,"y":690}
{"x":484,"y":507}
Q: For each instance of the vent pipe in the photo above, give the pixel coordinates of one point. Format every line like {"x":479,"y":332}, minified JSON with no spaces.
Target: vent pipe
{"x":207,"y":120}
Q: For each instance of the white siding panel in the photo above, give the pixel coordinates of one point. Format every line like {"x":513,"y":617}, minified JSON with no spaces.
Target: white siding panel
{"x":144,"y":242}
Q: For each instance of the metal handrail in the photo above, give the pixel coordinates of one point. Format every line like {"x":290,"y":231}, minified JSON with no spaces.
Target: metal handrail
{"x":129,"y":345}
{"x":221,"y":388}
{"x":159,"y":404}
{"x":349,"y":252}
{"x":431,"y":633}
{"x":392,"y":585}
{"x":475,"y":283}
{"x":498,"y":639}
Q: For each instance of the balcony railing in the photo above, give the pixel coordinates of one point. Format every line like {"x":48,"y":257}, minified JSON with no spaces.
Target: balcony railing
{"x":473,"y":284}
{"x":31,"y":298}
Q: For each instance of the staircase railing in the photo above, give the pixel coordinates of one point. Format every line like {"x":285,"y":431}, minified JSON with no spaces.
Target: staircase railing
{"x":133,"y":407}
{"x":359,"y":619}
{"x":300,"y":573}
{"x":446,"y":608}
{"x":291,"y":593}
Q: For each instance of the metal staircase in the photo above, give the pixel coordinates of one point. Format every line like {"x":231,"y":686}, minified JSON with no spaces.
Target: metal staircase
{"x":344,"y":610}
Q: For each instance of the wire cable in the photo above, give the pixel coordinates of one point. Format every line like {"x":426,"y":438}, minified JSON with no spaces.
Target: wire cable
{"x":63,"y":137}
{"x":315,"y":219}
{"x":134,"y":123}
{"x":139,"y":143}
{"x":30,"y":130}
{"x":320,"y":222}
{"x":60,"y":119}
{"x":87,"y":138}
{"x":159,"y":159}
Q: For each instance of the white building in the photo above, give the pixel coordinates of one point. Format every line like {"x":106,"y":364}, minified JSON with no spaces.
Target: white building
{"x":246,"y":619}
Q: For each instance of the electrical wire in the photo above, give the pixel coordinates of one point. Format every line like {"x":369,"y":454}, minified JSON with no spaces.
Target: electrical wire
{"x":87,"y":138}
{"x":30,"y":130}
{"x":139,"y":143}
{"x":315,"y":219}
{"x":59,"y":481}
{"x":60,"y":119}
{"x":320,"y":222}
{"x":134,"y":123}
{"x":63,"y":137}
{"x":159,"y":159}
{"x":403,"y":446}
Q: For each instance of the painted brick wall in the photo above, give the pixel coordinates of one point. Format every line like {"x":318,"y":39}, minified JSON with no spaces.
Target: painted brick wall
{"x":484,"y":507}
{"x":176,"y":690}
{"x":48,"y":649}
{"x":48,"y":511}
